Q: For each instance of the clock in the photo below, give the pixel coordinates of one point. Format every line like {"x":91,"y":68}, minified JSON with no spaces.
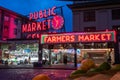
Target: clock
{"x":57,"y":22}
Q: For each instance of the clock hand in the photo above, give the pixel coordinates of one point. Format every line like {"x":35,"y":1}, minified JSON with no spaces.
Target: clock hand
{"x":56,"y":21}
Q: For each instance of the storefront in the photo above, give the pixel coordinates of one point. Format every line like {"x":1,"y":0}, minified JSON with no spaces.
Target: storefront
{"x":72,"y":48}
{"x":17,"y":52}
{"x":61,"y":49}
{"x":25,"y":49}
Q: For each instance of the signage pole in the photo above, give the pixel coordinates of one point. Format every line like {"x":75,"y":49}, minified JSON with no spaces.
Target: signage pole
{"x":40,"y":53}
{"x":116,"y":50}
{"x":75,"y":55}
{"x":50,"y":47}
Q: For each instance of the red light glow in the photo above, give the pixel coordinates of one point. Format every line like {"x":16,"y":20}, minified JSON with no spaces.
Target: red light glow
{"x":57,"y":22}
{"x":78,"y":37}
{"x":42,"y":14}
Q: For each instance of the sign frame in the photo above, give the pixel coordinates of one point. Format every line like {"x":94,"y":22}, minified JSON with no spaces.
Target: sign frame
{"x":100,"y":36}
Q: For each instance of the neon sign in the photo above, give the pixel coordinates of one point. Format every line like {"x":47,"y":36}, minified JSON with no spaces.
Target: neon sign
{"x":42,"y":14}
{"x":44,"y":21}
{"x":57,"y":22}
{"x":36,"y":26}
{"x":106,"y":36}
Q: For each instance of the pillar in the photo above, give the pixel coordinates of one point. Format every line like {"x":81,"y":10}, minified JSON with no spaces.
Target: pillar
{"x":40,"y":53}
{"x":75,"y":55}
{"x":116,"y":50}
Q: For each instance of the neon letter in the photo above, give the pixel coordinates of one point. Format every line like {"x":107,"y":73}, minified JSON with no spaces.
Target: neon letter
{"x":80,"y":38}
{"x":29,"y":27}
{"x":53,"y":38}
{"x":97,"y":37}
{"x":40,"y":14}
{"x":45,"y":39}
{"x":48,"y":21}
{"x":58,"y":38}
{"x":24,"y":28}
{"x":33,"y":26}
{"x":63,"y":40}
{"x":35,"y":15}
{"x":92,"y":37}
{"x":103,"y":37}
{"x":72,"y":38}
{"x":108,"y":36}
{"x":67,"y":38}
{"x":49,"y":12}
{"x":38,"y":26}
{"x":43,"y":25}
{"x":52,"y":11}
{"x":86,"y":37}
{"x":30,"y":16}
{"x":49,"y":39}
{"x":45,"y":13}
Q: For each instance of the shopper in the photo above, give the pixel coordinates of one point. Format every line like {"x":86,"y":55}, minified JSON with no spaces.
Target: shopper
{"x":26,"y":61}
{"x":65,"y":58}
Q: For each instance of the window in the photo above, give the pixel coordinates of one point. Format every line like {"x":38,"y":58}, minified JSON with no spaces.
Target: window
{"x":5,"y":32}
{"x":89,"y":29}
{"x":115,"y":14}
{"x":89,"y":15}
{"x":6,"y":18}
{"x":16,"y":21}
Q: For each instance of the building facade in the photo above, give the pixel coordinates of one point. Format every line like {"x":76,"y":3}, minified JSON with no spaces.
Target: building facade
{"x":98,"y":16}
{"x":10,"y":28}
{"x":20,"y":36}
{"x":95,"y":25}
{"x":10,"y":24}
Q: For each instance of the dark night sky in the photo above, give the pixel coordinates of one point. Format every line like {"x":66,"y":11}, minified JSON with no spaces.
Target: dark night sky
{"x":24,"y":7}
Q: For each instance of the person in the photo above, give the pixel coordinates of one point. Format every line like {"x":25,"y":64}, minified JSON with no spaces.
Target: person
{"x":25,"y":62}
{"x":65,"y":59}
{"x":29,"y":59}
{"x":44,"y":60}
{"x":1,"y":61}
{"x":6,"y":62}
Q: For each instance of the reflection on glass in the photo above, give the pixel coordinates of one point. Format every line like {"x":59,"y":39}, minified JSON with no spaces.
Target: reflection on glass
{"x":21,"y":54}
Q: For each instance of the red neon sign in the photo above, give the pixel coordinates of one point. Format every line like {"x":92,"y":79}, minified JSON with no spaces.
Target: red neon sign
{"x":50,"y":20}
{"x":95,"y":37}
{"x":79,"y":37}
{"x":57,"y":22}
{"x":36,"y":26}
{"x":42,"y":14}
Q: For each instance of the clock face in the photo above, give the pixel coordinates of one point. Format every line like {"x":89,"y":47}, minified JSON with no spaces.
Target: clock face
{"x":57,"y":22}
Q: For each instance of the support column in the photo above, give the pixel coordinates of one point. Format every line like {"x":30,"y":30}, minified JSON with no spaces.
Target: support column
{"x":75,"y":56}
{"x":40,"y":53}
{"x":116,"y":50}
{"x":117,"y":61}
{"x":50,"y":47}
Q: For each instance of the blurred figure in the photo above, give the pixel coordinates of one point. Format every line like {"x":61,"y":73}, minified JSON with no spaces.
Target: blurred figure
{"x":25,"y":62}
{"x":65,"y":58}
{"x":29,"y":59}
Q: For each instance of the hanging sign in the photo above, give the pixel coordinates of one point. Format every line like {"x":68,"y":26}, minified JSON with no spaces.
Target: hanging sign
{"x":105,"y":36}
{"x":42,"y":21}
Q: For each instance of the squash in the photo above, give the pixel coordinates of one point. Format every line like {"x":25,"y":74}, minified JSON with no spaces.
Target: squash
{"x":41,"y":77}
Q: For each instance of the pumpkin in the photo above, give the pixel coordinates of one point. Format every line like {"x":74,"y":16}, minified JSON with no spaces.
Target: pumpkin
{"x":41,"y":77}
{"x":87,"y":64}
